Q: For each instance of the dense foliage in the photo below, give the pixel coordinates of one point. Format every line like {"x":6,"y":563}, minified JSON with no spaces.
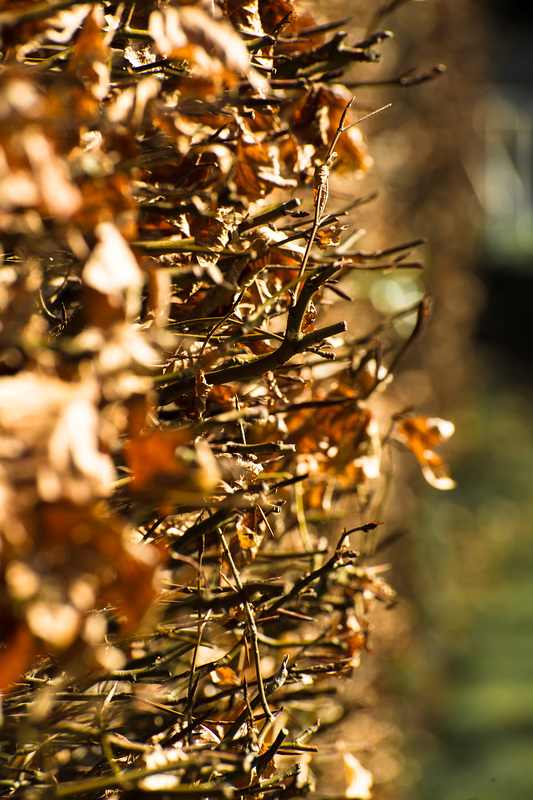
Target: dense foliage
{"x":182,"y":419}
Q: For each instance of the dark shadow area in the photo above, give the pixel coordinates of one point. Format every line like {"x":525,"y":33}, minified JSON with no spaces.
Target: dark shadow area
{"x":506,"y":323}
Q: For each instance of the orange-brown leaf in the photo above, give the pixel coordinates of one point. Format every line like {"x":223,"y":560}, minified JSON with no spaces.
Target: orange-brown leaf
{"x":166,"y":461}
{"x":225,"y":676}
{"x":211,"y":46}
{"x":421,"y":435}
{"x":90,"y":56}
{"x":258,"y":170}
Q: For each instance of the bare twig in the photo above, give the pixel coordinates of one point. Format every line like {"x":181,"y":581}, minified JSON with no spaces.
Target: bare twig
{"x":322,"y":172}
{"x":252,"y":628}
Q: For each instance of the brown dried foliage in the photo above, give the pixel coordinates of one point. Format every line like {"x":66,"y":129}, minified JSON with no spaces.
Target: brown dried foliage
{"x":166,"y":423}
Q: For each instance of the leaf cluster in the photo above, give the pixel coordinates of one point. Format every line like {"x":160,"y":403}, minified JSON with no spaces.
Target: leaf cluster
{"x":179,"y":418}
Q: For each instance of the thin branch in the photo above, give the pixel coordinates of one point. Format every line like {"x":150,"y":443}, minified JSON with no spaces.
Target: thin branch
{"x":322,"y":172}
{"x":407,"y":78}
{"x":252,"y":628}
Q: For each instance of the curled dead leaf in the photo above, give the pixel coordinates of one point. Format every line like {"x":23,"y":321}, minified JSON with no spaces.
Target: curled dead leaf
{"x":225,"y":676}
{"x":210,"y":45}
{"x":50,"y":430}
{"x":359,"y":780}
{"x":316,"y":121}
{"x":167,"y":463}
{"x":421,"y":435}
{"x":112,"y":269}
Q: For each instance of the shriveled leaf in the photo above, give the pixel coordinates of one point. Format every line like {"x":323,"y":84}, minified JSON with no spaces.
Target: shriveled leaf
{"x":90,"y":57}
{"x":112,"y":269}
{"x":245,"y":16}
{"x":258,"y":170}
{"x":328,"y":237}
{"x":50,"y":431}
{"x":316,"y":121}
{"x":355,"y":636}
{"x":166,"y":462}
{"x":309,"y":317}
{"x":421,"y":435}
{"x":273,"y":12}
{"x":359,"y":780}
{"x":201,"y":392}
{"x":249,"y":539}
{"x":225,"y":676}
{"x":214,"y":233}
{"x":210,"y":45}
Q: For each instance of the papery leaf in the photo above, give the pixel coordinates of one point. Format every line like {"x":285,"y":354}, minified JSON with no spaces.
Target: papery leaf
{"x":359,"y":780}
{"x":52,"y":429}
{"x":32,"y":173}
{"x":258,"y":170}
{"x":112,"y":269}
{"x":273,"y":12}
{"x":201,"y":392}
{"x":316,"y":120}
{"x":57,"y":573}
{"x":328,"y":237}
{"x":225,"y":676}
{"x":214,"y":233}
{"x":244,"y":16}
{"x":211,"y":46}
{"x":249,"y":539}
{"x":90,"y":56}
{"x":421,"y":435}
{"x":166,"y":462}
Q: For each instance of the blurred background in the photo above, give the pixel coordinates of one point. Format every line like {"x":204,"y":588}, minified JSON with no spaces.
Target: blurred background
{"x":454,"y":163}
{"x":472,"y":548}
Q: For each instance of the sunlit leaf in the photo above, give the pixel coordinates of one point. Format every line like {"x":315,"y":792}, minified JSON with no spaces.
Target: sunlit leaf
{"x":90,"y":57}
{"x":51,"y":428}
{"x":359,"y":780}
{"x":192,"y":34}
{"x":166,"y":462}
{"x":258,"y":170}
{"x":245,"y":16}
{"x":225,"y":676}
{"x":112,"y":269}
{"x":421,"y":435}
{"x":316,"y":120}
{"x":297,"y":19}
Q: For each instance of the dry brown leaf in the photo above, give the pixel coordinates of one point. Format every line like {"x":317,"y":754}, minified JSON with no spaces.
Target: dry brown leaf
{"x":298,"y":19}
{"x":33,"y":175}
{"x":211,"y":46}
{"x":258,"y":170}
{"x":112,"y":270}
{"x":73,"y":559}
{"x":166,"y":463}
{"x":244,"y":16}
{"x":49,"y":431}
{"x":421,"y":435}
{"x":225,"y":676}
{"x":317,"y":119}
{"x":359,"y":780}
{"x":89,"y":61}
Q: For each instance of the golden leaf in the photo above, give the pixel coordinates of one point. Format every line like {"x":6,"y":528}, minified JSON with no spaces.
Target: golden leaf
{"x":421,"y":435}
{"x":359,"y":780}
